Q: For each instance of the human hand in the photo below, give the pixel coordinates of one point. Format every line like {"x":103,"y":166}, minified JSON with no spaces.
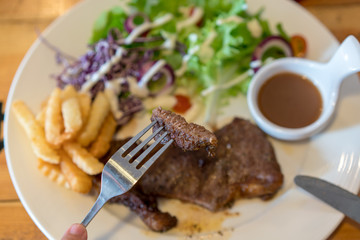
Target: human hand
{"x":75,"y":232}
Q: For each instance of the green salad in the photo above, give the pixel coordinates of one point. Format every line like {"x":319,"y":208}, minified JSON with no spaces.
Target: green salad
{"x":212,"y":48}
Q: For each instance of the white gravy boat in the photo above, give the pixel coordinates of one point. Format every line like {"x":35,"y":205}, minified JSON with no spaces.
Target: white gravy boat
{"x":327,"y":77}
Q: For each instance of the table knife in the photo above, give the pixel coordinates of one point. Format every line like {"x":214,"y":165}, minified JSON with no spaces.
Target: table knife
{"x":337,"y":197}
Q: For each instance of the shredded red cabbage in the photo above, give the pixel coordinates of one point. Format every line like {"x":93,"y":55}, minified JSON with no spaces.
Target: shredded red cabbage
{"x":129,"y":106}
{"x":130,"y":64}
{"x":134,"y":58}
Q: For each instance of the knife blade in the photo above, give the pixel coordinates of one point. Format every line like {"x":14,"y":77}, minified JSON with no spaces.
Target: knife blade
{"x":335,"y":196}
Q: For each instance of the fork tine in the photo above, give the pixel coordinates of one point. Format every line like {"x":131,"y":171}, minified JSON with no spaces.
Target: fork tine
{"x":126,"y":146}
{"x":148,"y":150}
{"x":146,"y":165}
{"x":142,"y":144}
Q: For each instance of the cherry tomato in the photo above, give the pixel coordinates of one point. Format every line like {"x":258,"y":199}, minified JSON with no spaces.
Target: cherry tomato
{"x":298,"y":45}
{"x":182,"y":103}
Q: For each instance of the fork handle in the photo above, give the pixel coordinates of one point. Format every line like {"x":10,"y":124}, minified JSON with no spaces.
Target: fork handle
{"x":100,"y":202}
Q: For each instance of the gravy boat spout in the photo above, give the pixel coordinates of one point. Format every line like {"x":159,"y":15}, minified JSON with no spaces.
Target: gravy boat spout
{"x":327,"y":77}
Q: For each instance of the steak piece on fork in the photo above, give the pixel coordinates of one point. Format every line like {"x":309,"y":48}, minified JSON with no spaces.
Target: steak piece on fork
{"x":187,"y":136}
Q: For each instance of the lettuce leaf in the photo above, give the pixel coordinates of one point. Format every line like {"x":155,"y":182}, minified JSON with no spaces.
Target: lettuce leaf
{"x":113,"y":18}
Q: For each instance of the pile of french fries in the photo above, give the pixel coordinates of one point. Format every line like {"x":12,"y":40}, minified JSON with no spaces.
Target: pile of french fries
{"x":69,"y":135}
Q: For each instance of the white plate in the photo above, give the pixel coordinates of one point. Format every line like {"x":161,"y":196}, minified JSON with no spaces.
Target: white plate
{"x":293,"y":214}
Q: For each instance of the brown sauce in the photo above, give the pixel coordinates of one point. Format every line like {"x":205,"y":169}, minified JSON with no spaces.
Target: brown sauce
{"x":290,"y":100}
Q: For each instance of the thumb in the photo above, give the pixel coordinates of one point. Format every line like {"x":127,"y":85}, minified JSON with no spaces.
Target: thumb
{"x":75,"y":232}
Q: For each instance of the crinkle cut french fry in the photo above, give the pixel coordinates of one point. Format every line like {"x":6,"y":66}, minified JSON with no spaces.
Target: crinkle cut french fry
{"x":83,"y":159}
{"x":84,"y":100}
{"x":114,"y":103}
{"x":102,"y":143}
{"x":69,"y":91}
{"x":72,"y":116}
{"x":99,"y":110}
{"x":35,"y":133}
{"x":79,"y":181}
{"x":53,"y":172}
{"x":26,"y":118}
{"x":53,"y":120}
{"x":85,"y":105}
{"x":40,"y":117}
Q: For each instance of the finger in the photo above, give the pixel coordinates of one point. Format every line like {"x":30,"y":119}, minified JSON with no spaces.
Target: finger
{"x":75,"y":232}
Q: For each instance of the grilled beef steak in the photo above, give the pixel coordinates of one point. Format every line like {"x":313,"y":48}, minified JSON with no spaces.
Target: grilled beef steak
{"x":244,"y":167}
{"x":187,"y":136}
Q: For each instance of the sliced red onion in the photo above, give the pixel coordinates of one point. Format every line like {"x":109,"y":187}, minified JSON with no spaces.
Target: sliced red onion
{"x":145,"y":67}
{"x":166,"y":72}
{"x":129,"y":22}
{"x":268,"y":43}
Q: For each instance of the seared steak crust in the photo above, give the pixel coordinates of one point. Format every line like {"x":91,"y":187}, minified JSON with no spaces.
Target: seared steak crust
{"x":187,"y":136}
{"x":245,"y":167}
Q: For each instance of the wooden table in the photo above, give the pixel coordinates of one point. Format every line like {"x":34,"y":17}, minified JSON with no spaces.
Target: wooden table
{"x":18,"y":19}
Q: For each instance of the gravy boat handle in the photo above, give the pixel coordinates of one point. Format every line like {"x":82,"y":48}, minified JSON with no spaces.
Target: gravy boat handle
{"x":346,"y":60}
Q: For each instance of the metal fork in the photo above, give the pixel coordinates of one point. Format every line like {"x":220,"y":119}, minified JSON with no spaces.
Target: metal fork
{"x":120,"y":175}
